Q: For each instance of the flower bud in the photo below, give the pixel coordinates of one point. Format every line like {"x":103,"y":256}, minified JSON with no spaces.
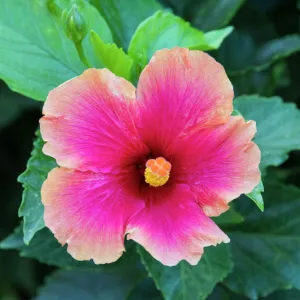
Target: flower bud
{"x":75,"y":25}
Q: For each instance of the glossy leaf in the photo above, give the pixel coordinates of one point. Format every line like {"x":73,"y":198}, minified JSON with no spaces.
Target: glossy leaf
{"x":278,"y":126}
{"x":44,"y":248}
{"x":165,"y":30}
{"x":111,"y":57}
{"x":256,"y":196}
{"x":87,"y":285}
{"x":35,"y":53}
{"x":215,"y":38}
{"x":184,"y":282}
{"x":31,"y":208}
{"x":266,"y":246}
{"x":124,"y":16}
{"x":270,"y":53}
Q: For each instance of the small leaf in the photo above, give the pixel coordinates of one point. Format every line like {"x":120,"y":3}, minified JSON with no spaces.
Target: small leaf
{"x":111,"y":57}
{"x":278,"y":127}
{"x":32,"y":209}
{"x":13,"y":241}
{"x":266,"y":246}
{"x":214,"y":14}
{"x":215,"y":38}
{"x":124,"y":16}
{"x":184,"y":282}
{"x":256,"y":196}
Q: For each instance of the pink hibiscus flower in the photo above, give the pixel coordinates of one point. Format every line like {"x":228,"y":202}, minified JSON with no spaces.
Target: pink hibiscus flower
{"x":153,"y":162}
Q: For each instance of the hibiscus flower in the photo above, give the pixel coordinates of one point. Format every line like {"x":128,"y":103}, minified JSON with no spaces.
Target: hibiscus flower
{"x":152,"y":163}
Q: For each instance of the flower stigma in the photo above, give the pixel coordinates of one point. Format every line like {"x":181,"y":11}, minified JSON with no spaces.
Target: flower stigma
{"x":157,"y":171}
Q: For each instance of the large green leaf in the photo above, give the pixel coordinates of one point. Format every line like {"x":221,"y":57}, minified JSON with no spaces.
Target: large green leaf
{"x":292,"y":294}
{"x":44,"y":248}
{"x":214,"y":14}
{"x":251,"y":53}
{"x":165,"y":30}
{"x":278,"y":126}
{"x":88,"y":285}
{"x":185,"y":282}
{"x":35,"y":53}
{"x":268,"y":54}
{"x":31,"y":208}
{"x":124,"y":16}
{"x":145,"y":290}
{"x":266,"y":246}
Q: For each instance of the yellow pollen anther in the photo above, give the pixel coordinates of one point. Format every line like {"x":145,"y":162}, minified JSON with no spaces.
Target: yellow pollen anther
{"x":157,"y":171}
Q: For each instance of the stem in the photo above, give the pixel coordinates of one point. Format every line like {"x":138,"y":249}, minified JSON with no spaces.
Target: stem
{"x":81,"y":54}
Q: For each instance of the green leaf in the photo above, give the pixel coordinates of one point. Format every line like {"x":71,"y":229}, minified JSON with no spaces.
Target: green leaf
{"x":112,"y":57}
{"x":214,"y":14}
{"x":278,"y":127}
{"x":266,"y":246}
{"x":231,"y":216}
{"x":44,"y":248}
{"x":284,"y":295}
{"x":109,"y":281}
{"x":162,"y":30}
{"x":14,"y":240}
{"x":145,"y":290}
{"x":269,"y":53}
{"x":256,"y":196}
{"x":215,"y":38}
{"x":31,"y":208}
{"x":88,"y":285}
{"x":35,"y":53}
{"x":165,"y":30}
{"x":124,"y":16}
{"x":220,"y":293}
{"x":190,"y":282}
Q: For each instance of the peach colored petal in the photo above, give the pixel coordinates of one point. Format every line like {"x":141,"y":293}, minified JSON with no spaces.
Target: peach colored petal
{"x":172,"y":227}
{"x":219,"y":163}
{"x":179,"y":92}
{"x":89,"y":123}
{"x":90,"y":211}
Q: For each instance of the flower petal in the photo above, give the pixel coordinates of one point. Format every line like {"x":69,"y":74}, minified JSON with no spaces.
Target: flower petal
{"x":172,"y":227}
{"x":180,"y":91}
{"x":89,"y":123}
{"x":219,"y":163}
{"x":90,"y":211}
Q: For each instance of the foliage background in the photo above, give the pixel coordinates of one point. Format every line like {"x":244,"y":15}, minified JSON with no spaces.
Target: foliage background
{"x":255,"y":66}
